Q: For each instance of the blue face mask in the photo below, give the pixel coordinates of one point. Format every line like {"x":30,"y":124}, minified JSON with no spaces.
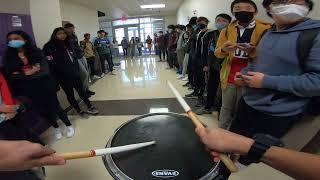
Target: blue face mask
{"x":16,"y":43}
{"x":220,"y":26}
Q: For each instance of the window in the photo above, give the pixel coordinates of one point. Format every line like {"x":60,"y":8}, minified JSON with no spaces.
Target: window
{"x":126,"y":22}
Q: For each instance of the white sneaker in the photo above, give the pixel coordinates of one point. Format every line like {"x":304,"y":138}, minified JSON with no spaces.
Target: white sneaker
{"x":102,"y":75}
{"x":70,"y":131}
{"x":58,"y":134}
{"x":185,"y":79}
{"x":96,"y":77}
{"x":180,"y":76}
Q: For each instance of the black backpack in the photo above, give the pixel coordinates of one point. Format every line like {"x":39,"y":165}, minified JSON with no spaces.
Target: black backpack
{"x":305,"y":43}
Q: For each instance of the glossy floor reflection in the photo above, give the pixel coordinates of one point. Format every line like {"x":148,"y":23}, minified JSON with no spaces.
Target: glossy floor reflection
{"x":140,"y":78}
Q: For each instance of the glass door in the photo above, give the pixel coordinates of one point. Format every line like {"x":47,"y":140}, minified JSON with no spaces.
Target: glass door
{"x":126,"y":31}
{"x":119,"y":34}
{"x":133,"y":32}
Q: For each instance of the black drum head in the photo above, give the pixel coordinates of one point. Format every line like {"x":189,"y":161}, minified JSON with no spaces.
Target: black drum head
{"x":178,"y":153}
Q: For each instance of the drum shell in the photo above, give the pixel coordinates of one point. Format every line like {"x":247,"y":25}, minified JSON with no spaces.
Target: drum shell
{"x":181,"y":154}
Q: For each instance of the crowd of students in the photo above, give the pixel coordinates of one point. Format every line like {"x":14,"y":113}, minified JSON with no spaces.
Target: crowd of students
{"x":31,"y":77}
{"x":260,"y":77}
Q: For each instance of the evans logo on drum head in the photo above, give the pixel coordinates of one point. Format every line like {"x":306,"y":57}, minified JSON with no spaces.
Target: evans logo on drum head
{"x":165,"y":173}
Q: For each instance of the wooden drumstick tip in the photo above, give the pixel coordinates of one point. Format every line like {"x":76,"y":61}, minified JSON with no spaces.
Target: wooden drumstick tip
{"x":228,"y":163}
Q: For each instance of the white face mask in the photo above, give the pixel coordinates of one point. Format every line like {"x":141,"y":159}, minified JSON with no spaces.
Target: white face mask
{"x":290,"y":11}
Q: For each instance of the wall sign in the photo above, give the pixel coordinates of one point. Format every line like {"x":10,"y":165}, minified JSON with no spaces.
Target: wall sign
{"x":16,"y":21}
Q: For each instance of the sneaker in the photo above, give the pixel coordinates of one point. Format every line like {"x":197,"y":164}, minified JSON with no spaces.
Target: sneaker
{"x":186,"y":85}
{"x":180,"y":76}
{"x":185,"y":79}
{"x":192,"y":95}
{"x":83,"y":115}
{"x":58,"y":134}
{"x":200,"y":102}
{"x":190,"y":88}
{"x":93,"y":111}
{"x":70,"y":131}
{"x":97,"y":77}
{"x":202,"y":111}
{"x":91,"y":93}
{"x":102,"y":75}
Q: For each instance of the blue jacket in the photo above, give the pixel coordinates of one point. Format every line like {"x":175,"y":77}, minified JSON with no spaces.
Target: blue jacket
{"x":103,"y":45}
{"x":287,"y":88}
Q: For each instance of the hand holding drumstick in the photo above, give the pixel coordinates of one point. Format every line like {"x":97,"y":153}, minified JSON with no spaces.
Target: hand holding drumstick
{"x":224,"y":158}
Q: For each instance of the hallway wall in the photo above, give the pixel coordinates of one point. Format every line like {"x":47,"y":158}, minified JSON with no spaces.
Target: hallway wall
{"x":85,"y":19}
{"x":15,"y":6}
{"x":45,"y":16}
{"x":169,"y":20}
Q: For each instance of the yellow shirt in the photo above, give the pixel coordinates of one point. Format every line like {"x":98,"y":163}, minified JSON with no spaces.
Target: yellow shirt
{"x":230,"y":34}
{"x":88,"y":50}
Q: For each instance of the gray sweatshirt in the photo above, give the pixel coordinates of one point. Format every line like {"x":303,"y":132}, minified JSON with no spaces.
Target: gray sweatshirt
{"x":287,"y":88}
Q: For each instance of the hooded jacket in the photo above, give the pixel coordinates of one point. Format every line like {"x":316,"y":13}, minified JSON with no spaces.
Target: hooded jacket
{"x":287,"y":87}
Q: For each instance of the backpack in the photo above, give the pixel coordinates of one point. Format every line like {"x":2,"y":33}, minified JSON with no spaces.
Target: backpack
{"x":304,"y":46}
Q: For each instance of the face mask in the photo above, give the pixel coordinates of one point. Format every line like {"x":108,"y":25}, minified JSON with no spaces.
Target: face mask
{"x":170,"y":30}
{"x":201,"y":26}
{"x":16,"y":43}
{"x":244,"y":16}
{"x":291,"y":11}
{"x":220,"y":26}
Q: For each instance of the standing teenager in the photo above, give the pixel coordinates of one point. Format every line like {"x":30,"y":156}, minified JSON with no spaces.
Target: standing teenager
{"x":212,"y":64}
{"x":103,"y":46}
{"x":244,"y":31}
{"x":84,"y":69}
{"x":65,"y":69}
{"x":27,"y":71}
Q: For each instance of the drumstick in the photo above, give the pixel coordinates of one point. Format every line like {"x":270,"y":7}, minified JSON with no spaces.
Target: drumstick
{"x":224,"y":158}
{"x":102,"y":152}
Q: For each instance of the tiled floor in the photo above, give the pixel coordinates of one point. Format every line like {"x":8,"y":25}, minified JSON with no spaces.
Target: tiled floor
{"x":144,"y":79}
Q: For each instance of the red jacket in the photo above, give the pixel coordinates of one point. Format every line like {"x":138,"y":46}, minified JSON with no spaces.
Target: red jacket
{"x":173,"y":39}
{"x":160,"y":42}
{"x":5,"y":92}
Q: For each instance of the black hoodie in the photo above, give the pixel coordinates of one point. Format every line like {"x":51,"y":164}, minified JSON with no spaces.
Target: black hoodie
{"x":62,"y":60}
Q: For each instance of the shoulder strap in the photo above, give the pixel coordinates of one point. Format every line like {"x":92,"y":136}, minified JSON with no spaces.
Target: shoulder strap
{"x":305,"y":43}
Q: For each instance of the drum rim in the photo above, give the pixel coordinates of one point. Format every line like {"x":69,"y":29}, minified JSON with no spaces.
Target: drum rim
{"x":116,"y":172}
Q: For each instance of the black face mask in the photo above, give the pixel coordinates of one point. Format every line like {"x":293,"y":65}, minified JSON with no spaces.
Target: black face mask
{"x":244,"y":16}
{"x":201,"y":26}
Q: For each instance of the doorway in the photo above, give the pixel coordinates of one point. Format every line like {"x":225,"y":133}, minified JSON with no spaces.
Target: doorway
{"x":126,"y":31}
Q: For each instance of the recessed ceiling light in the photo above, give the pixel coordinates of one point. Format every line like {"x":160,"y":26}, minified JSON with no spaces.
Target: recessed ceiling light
{"x":152,"y":6}
{"x":158,"y":20}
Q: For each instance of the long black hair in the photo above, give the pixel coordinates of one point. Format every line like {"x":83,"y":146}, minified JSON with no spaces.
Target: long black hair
{"x":12,"y":62}
{"x":56,"y":42}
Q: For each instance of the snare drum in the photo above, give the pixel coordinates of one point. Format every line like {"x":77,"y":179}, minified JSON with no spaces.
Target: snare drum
{"x":178,"y":153}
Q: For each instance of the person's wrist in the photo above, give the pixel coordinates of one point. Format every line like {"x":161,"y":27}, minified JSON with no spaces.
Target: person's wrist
{"x":244,"y":145}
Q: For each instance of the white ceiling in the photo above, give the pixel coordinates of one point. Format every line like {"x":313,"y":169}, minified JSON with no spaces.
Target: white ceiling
{"x":118,"y":8}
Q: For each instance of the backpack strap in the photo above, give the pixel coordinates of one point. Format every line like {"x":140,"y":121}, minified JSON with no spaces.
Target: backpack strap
{"x":305,"y":44}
